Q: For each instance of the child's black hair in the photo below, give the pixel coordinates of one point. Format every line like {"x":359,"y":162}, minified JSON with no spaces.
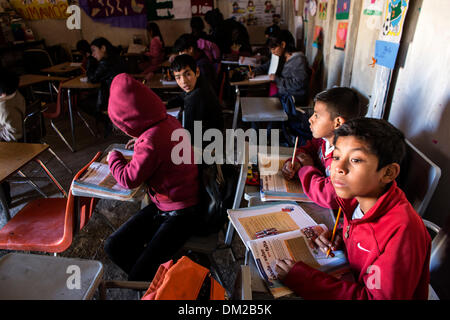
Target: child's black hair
{"x":276,"y":38}
{"x":83,"y":46}
{"x":272,"y":30}
{"x":9,"y":81}
{"x":341,"y":102}
{"x":184,"y":42}
{"x":197,"y":24}
{"x":384,"y":140}
{"x":154,"y":28}
{"x":110,"y":49}
{"x":182,"y":61}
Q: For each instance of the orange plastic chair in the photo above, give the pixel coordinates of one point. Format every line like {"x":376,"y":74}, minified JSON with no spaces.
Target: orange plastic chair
{"x":49,"y":224}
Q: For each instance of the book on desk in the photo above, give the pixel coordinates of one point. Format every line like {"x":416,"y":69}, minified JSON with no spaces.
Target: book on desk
{"x":282,"y":231}
{"x":274,"y":187}
{"x":98,"y":181}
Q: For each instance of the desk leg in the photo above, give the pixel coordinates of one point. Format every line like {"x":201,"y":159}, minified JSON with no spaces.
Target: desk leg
{"x":50,"y":175}
{"x":4,"y":204}
{"x":236,"y":108}
{"x":72,"y":125}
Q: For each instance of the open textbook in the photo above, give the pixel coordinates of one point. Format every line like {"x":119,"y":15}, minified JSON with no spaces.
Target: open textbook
{"x":273,"y":185}
{"x":293,"y":231}
{"x":98,"y":181}
{"x":274,"y":60}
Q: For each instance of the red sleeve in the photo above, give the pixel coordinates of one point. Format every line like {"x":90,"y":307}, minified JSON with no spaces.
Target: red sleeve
{"x":318,"y":187}
{"x":139,"y":169}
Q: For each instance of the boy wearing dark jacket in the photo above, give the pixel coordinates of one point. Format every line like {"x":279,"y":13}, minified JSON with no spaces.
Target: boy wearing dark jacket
{"x":387,"y":245}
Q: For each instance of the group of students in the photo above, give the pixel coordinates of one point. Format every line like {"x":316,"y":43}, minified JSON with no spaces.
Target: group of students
{"x":351,"y":163}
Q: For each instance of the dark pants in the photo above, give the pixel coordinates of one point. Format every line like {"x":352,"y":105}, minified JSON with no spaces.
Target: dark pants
{"x":148,"y":239}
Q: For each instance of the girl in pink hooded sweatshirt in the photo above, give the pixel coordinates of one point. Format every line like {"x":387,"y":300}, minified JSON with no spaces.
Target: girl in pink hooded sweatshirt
{"x":156,"y":232}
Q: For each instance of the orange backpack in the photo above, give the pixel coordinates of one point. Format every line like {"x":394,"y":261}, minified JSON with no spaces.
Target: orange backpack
{"x":184,"y":280}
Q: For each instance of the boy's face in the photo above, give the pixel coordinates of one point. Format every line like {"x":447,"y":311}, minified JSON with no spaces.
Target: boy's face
{"x":98,"y":53}
{"x":321,"y":124}
{"x":354,"y":171}
{"x":186,"y":78}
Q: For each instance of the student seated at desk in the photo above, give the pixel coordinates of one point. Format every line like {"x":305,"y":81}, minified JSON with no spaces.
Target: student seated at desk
{"x":84,"y":48}
{"x":386,"y":243}
{"x":332,"y":108}
{"x":199,"y":101}
{"x":293,"y":79}
{"x":103,"y":69}
{"x":187,"y":44}
{"x":204,"y":41}
{"x":156,"y":51}
{"x":155,"y":233}
{"x":12,"y":111}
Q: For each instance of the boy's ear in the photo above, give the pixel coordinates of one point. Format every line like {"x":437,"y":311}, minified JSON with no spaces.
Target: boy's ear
{"x":197,"y":72}
{"x":391,"y":171}
{"x":338,"y":121}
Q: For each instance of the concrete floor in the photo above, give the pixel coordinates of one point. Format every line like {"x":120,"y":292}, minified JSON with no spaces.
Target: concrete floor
{"x":88,"y":243}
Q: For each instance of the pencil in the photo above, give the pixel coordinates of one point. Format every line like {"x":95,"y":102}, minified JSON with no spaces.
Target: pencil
{"x":249,"y":68}
{"x":334,"y":230}
{"x":295,"y":150}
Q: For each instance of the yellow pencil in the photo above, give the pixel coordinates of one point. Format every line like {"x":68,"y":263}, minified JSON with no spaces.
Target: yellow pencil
{"x":334,"y":230}
{"x":249,"y":68}
{"x":295,"y":150}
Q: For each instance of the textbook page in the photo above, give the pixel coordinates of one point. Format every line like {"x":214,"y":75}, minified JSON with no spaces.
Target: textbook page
{"x":262,"y":77}
{"x":284,"y":217}
{"x":274,"y":60}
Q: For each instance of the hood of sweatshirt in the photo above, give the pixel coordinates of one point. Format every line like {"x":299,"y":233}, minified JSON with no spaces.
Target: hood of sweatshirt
{"x":133,"y":107}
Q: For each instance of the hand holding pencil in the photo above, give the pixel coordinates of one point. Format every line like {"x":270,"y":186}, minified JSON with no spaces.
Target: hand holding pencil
{"x":329,"y":240}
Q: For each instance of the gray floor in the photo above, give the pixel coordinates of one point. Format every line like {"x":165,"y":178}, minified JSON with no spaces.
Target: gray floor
{"x":88,"y":243}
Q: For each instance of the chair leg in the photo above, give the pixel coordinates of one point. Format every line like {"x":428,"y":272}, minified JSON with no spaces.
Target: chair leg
{"x":60,"y":160}
{"x":50,"y":175}
{"x":61,"y":136}
{"x":86,"y":123}
{"x":32,"y":183}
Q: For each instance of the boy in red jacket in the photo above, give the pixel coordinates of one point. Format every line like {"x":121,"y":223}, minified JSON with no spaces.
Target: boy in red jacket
{"x":387,"y":244}
{"x":155,"y":233}
{"x":332,"y":108}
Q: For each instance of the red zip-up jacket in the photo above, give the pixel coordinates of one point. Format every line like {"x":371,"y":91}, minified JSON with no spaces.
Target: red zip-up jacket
{"x":139,"y":112}
{"x":315,"y":182}
{"x":388,"y":251}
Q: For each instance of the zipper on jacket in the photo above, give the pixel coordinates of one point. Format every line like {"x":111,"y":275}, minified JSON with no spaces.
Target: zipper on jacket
{"x":347,"y":232}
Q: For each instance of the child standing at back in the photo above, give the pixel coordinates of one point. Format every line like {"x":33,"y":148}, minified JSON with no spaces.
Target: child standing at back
{"x":386,"y":243}
{"x":332,"y":108}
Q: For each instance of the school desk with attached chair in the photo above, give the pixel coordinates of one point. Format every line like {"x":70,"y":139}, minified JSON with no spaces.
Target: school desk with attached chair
{"x":14,"y":156}
{"x":65,"y":68}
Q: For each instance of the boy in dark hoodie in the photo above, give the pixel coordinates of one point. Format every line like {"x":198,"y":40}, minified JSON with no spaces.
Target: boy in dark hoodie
{"x":154,"y":234}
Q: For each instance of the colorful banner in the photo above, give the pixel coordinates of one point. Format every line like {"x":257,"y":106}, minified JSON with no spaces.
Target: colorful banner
{"x":41,"y":9}
{"x":317,"y":39}
{"x":341,"y":35}
{"x":342,"y":9}
{"x":323,"y":7}
{"x":157,"y":10}
{"x":201,"y":7}
{"x":256,"y":12}
{"x":115,"y":8}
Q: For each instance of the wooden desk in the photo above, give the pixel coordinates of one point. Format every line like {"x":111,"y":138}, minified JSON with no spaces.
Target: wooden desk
{"x":257,"y":109}
{"x":156,"y":83}
{"x":65,"y":67}
{"x":30,"y":79}
{"x":13,"y":156}
{"x":238,"y":94}
{"x":76,"y":84}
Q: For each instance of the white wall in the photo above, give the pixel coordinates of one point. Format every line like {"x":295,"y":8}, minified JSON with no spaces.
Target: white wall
{"x":421,"y":101}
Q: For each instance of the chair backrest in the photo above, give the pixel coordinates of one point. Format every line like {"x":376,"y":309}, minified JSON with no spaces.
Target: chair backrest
{"x":35,"y":60}
{"x":418,"y":178}
{"x":32,"y":125}
{"x":54,"y":109}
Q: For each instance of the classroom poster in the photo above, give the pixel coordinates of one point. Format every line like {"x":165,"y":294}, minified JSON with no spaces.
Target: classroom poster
{"x":323,"y":7}
{"x":373,"y":7}
{"x":157,"y":10}
{"x":341,"y":35}
{"x":256,"y":12}
{"x":342,"y":9}
{"x":41,"y":9}
{"x":201,"y":7}
{"x":318,"y":34}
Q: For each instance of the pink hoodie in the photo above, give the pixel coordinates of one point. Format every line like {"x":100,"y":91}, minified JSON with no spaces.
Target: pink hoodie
{"x":139,"y":112}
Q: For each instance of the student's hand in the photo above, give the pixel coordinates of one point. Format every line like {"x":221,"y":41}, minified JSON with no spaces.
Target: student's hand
{"x":282,"y":268}
{"x":109,"y":155}
{"x":251,"y":74}
{"x":323,"y":242}
{"x":172,"y":57}
{"x":130,"y":144}
{"x":272,"y":77}
{"x":289,"y":171}
{"x":305,"y":159}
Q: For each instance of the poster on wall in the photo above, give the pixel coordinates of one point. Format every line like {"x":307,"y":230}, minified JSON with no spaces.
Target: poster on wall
{"x":323,"y":7}
{"x":256,"y":12}
{"x":342,"y":9}
{"x":201,"y":7}
{"x":341,"y":35}
{"x":373,"y":7}
{"x":157,"y":10}
{"x":41,"y":9}
{"x":317,"y":39}
{"x":388,"y":43}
